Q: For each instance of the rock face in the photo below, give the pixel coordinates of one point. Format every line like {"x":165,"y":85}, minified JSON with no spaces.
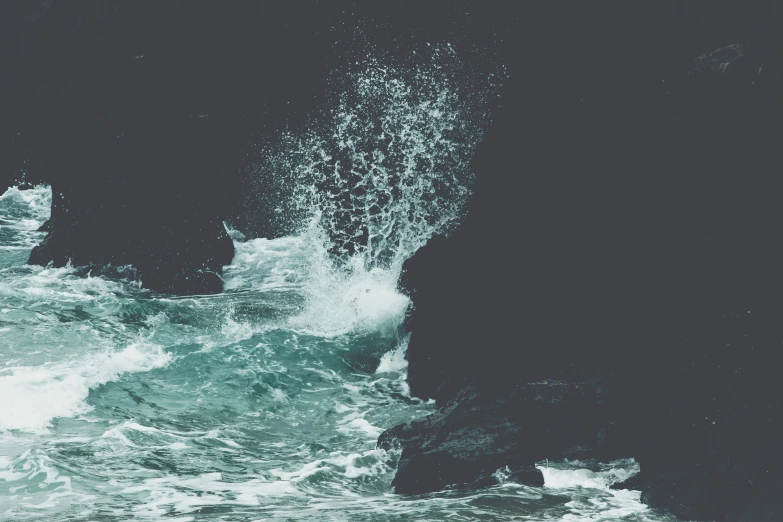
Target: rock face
{"x":483,"y":430}
{"x":621,"y":232}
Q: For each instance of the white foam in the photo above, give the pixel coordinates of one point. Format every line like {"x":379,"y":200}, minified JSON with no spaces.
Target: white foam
{"x":339,"y":298}
{"x":349,"y":297}
{"x":572,"y":478}
{"x":605,"y":505}
{"x":502,"y":475}
{"x":394,"y":361}
{"x":263,"y":264}
{"x":60,"y":287}
{"x":36,"y":202}
{"x":356,"y":423}
{"x":352,"y":465}
{"x":22,"y":212}
{"x":40,"y":485}
{"x":574,"y":473}
{"x":231,"y":332}
{"x":188,"y":494}
{"x":30,"y":397}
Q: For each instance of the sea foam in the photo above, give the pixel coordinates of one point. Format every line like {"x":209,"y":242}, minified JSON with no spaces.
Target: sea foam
{"x":31,"y":397}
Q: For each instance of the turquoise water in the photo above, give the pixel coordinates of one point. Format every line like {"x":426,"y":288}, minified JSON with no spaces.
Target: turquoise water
{"x":262,"y":403}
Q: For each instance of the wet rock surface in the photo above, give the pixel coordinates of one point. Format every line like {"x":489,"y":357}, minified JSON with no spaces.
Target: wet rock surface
{"x":481,"y":431}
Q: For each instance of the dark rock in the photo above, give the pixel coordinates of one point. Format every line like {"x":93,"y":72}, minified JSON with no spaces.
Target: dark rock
{"x":481,"y":431}
{"x":434,"y":365}
{"x":620,"y":232}
{"x":636,"y":483}
{"x":715,"y":455}
{"x":181,"y":257}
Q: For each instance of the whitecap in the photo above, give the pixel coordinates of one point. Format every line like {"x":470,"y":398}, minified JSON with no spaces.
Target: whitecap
{"x":31,"y":397}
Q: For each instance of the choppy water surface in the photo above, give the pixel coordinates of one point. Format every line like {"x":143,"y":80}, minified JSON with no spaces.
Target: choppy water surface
{"x":265,"y":402}
{"x":261,"y":403}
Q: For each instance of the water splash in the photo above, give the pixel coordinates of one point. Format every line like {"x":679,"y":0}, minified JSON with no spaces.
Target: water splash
{"x":388,"y":165}
{"x":385,"y":168}
{"x":21,"y":213}
{"x":347,"y":297}
{"x":26,"y":206}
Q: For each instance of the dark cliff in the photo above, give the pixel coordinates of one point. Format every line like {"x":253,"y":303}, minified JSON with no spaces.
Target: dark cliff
{"x":621,"y":234}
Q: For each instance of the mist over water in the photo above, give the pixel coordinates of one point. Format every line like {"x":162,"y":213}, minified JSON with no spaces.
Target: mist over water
{"x":264,"y":402}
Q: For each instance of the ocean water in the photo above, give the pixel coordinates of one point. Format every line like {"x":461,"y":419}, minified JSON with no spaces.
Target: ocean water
{"x":264,"y":402}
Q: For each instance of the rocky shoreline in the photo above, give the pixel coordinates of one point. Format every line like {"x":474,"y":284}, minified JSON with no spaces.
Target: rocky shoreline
{"x":614,"y":290}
